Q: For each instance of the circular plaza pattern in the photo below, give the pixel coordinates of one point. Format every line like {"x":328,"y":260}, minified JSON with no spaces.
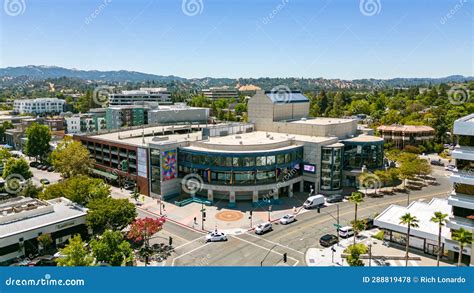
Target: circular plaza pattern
{"x":229,"y":216}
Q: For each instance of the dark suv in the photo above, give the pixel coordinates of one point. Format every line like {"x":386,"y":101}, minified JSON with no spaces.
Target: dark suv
{"x":328,"y":240}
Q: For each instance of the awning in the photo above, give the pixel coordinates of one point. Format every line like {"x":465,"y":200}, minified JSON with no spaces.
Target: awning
{"x":105,"y":174}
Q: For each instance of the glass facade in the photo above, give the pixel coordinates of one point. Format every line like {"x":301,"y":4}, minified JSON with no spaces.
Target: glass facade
{"x":241,"y":168}
{"x":155,"y":171}
{"x":331,"y":168}
{"x":357,"y":155}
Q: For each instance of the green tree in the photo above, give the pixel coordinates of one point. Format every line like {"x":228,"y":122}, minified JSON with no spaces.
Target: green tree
{"x":37,"y":141}
{"x":71,"y":158}
{"x":18,"y":167}
{"x":45,"y":241}
{"x":4,"y":155}
{"x":110,"y":213}
{"x":30,"y":190}
{"x":356,"y":198}
{"x":441,"y":220}
{"x":75,"y":254}
{"x":111,"y":248}
{"x":80,"y":189}
{"x":411,"y":222}
{"x":464,"y":238}
{"x":354,"y":251}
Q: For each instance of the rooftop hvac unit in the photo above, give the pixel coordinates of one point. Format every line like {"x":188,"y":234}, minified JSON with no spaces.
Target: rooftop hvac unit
{"x":160,"y":138}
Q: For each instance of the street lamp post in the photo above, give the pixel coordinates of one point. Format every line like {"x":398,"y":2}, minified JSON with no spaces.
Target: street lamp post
{"x":338,"y":225}
{"x":160,"y":200}
{"x":370,"y":251}
{"x":269,"y":212}
{"x":203,"y":215}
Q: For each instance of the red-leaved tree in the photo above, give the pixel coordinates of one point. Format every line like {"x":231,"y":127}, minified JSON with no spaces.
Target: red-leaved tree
{"x":143,"y":229}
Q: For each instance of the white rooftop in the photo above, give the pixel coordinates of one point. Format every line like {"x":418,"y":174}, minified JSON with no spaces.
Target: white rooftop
{"x":423,"y":211}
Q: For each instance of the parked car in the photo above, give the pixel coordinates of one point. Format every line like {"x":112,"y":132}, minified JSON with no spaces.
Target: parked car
{"x":328,"y":240}
{"x":450,"y":168}
{"x":44,"y":261}
{"x":346,"y":232}
{"x":263,"y":228}
{"x":33,"y":164}
{"x":129,"y":186}
{"x":335,"y":198}
{"x":436,"y":163}
{"x":216,"y":236}
{"x":45,"y":167}
{"x":369,"y":223}
{"x":50,"y":169}
{"x":39,"y":166}
{"x":314,"y":201}
{"x":286,"y":219}
{"x":44,"y":181}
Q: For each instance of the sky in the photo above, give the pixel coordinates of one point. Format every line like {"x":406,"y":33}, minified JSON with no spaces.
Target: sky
{"x":346,"y":39}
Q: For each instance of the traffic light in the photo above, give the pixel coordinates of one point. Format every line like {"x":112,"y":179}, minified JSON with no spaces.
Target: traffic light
{"x":170,"y":241}
{"x":203,"y":215}
{"x":285,"y":257}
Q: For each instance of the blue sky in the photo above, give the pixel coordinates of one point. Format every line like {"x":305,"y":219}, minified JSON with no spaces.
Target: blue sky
{"x":259,"y":38}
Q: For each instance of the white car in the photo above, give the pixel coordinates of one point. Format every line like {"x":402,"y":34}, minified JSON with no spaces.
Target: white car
{"x":264,"y":227}
{"x":216,"y":236}
{"x":450,"y":168}
{"x":286,"y":219}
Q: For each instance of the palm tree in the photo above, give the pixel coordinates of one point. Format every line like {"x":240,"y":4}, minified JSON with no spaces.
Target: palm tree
{"x":411,"y":222}
{"x":441,"y":219}
{"x":356,"y":198}
{"x":463,"y":237}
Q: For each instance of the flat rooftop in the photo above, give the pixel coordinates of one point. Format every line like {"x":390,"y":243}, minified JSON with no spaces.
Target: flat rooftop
{"x":365,"y":138}
{"x":153,"y":134}
{"x":322,"y":121}
{"x":61,"y":209}
{"x":405,"y":128}
{"x":258,"y":139}
{"x":390,"y":218}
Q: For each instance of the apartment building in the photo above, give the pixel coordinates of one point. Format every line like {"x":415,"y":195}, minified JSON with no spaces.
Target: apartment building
{"x":141,"y":97}
{"x":38,"y":106}
{"x":462,"y":198}
{"x":225,"y":92}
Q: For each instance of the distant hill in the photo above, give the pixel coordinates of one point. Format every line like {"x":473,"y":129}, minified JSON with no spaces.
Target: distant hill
{"x":44,"y":72}
{"x":11,"y":75}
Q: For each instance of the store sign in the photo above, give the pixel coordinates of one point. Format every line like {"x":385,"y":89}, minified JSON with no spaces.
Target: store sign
{"x":309,"y":168}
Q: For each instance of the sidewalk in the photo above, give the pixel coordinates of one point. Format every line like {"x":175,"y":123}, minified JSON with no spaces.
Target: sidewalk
{"x":318,"y":257}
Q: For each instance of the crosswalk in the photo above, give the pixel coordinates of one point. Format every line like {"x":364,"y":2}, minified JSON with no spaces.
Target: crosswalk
{"x":401,"y":263}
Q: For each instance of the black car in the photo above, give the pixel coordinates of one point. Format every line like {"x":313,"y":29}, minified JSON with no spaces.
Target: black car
{"x":33,"y":164}
{"x":44,"y":168}
{"x":39,"y":166}
{"x":328,"y":240}
{"x":369,"y":223}
{"x":50,"y":169}
{"x":436,"y":163}
{"x":335,"y":198}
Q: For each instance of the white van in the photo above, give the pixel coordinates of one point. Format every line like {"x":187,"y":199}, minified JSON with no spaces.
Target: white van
{"x":346,"y":232}
{"x":314,"y":201}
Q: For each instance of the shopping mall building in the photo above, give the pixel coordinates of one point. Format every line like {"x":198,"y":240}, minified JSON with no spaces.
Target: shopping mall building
{"x":278,"y":152}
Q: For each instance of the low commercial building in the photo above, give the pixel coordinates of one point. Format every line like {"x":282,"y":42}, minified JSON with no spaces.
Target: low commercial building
{"x":225,"y":92}
{"x":462,"y":198}
{"x":403,"y":135}
{"x":86,"y":123}
{"x":40,"y":106}
{"x":425,"y":236}
{"x":23,"y":219}
{"x":141,"y":97}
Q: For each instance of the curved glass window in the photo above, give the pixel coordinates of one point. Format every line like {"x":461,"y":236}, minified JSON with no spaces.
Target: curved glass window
{"x":358,"y":155}
{"x":331,"y":161}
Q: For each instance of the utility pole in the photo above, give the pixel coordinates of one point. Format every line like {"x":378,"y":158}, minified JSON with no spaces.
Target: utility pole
{"x":269,"y":212}
{"x":250,"y":218}
{"x":203,"y":215}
